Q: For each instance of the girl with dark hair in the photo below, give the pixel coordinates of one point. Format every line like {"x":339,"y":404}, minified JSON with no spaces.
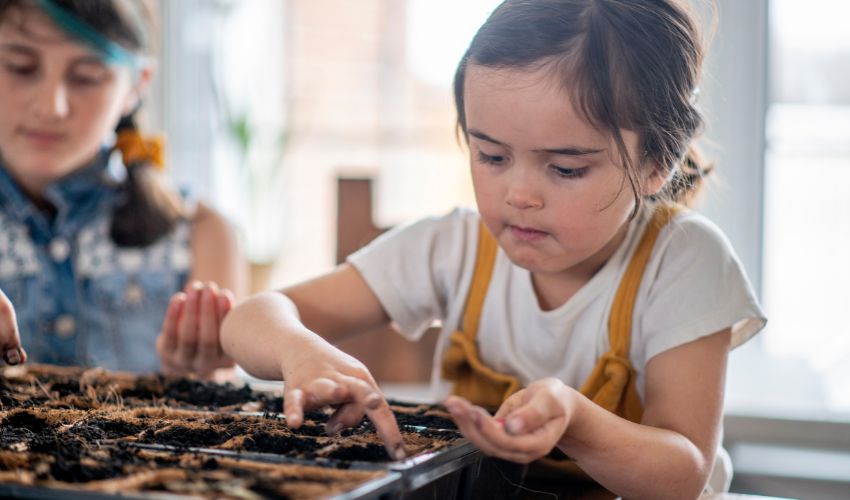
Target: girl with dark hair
{"x":94,"y":247}
{"x":583,"y":302}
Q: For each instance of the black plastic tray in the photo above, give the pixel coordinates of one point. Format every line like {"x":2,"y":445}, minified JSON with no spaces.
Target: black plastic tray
{"x":388,"y":484}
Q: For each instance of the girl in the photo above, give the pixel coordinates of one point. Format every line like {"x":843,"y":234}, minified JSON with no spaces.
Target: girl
{"x":582,"y":302}
{"x":92,"y":244}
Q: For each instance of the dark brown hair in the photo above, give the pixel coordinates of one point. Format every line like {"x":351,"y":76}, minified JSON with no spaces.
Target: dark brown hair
{"x":629,"y":64}
{"x":149,"y":209}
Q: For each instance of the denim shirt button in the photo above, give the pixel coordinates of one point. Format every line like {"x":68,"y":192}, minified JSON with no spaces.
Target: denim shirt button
{"x":65,"y":326}
{"x":59,"y":249}
{"x":134,"y":293}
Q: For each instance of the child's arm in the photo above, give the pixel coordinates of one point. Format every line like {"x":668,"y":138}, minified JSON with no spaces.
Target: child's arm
{"x":280,"y":336}
{"x":670,"y":454}
{"x":189,"y":340}
{"x":10,"y":340}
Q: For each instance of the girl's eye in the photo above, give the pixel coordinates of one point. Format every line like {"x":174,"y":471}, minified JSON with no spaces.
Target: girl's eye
{"x":88,"y":74}
{"x":490,"y":159}
{"x":569,"y":173}
{"x":88,"y":78}
{"x":20,"y":70}
{"x":85,"y":80}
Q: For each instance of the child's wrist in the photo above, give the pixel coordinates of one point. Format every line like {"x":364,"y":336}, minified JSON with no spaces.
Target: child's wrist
{"x":573,"y":402}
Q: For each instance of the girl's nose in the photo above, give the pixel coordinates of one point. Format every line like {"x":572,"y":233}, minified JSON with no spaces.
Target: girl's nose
{"x":50,"y":101}
{"x":522,"y":195}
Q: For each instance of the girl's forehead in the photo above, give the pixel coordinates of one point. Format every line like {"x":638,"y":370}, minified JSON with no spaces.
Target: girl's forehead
{"x":531,"y":99}
{"x":514,"y":78}
{"x":531,"y":108}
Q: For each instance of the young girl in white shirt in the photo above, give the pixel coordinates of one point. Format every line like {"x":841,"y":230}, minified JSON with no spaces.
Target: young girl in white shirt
{"x":582,"y":302}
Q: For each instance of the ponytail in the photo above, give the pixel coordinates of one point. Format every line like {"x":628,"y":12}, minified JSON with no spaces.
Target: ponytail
{"x":149,"y":209}
{"x":688,"y":179}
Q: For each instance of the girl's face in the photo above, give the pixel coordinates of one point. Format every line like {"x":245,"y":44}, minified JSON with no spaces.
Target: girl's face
{"x":546,"y":182}
{"x":59,"y":100}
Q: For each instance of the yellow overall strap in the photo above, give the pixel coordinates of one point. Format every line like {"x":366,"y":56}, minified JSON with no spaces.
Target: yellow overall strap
{"x":472,"y":379}
{"x":611,"y":385}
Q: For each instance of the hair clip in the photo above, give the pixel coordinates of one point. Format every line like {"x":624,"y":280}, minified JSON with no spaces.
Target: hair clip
{"x":136,"y":149}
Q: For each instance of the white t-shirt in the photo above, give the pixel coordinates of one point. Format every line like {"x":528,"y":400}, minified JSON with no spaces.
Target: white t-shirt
{"x":693,"y":286}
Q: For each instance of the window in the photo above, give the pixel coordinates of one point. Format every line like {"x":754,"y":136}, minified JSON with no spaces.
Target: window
{"x":368,"y":94}
{"x":807,"y":178}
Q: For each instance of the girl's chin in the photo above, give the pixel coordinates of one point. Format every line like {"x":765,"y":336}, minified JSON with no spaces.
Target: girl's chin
{"x":40,"y":173}
{"x":530,"y":261}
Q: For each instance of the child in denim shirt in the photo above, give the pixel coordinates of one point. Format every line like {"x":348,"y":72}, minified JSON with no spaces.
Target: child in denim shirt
{"x":104,"y":265}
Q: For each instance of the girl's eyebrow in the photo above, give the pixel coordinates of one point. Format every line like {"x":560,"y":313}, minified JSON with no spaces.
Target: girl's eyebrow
{"x":566,"y":151}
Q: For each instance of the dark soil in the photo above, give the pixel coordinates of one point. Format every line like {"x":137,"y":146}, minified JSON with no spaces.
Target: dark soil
{"x":370,"y":452}
{"x":77,"y":426}
{"x":424,"y":420}
{"x":264,"y":442}
{"x":185,"y":437}
{"x":195,"y":393}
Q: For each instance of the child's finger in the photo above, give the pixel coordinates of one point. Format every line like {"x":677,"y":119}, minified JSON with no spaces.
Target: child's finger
{"x":471,"y":425}
{"x":224,"y":304}
{"x":10,"y":339}
{"x":542,"y":407}
{"x":530,"y":445}
{"x":169,"y":324}
{"x":293,"y":406}
{"x":348,"y":415}
{"x":513,"y":402}
{"x":361,"y":391}
{"x":387,"y":428}
{"x":14,"y":355}
{"x":187,"y":336}
{"x":320,"y":392}
{"x":527,"y":419}
{"x":208,"y":345}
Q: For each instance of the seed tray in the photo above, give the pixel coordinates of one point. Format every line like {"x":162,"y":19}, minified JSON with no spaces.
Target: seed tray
{"x":74,"y":469}
{"x":173,"y":416}
{"x":60,"y":386}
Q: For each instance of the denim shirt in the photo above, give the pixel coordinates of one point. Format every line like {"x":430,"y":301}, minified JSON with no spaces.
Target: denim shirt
{"x":79,"y":298}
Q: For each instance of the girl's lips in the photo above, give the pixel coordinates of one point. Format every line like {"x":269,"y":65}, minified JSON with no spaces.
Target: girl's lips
{"x":43,"y":137}
{"x":527,"y":234}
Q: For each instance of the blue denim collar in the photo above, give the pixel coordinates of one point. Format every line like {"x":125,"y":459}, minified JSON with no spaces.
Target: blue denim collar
{"x":76,"y":197}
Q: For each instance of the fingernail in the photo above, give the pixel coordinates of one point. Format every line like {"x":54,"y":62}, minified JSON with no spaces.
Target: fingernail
{"x":399,"y":453}
{"x":513,"y":425}
{"x":13,"y":356}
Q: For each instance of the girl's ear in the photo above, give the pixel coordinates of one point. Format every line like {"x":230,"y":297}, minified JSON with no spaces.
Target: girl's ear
{"x":141,"y":81}
{"x":655,"y":181}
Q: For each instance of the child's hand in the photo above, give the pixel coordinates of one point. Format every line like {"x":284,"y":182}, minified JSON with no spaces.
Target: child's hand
{"x":10,"y":340}
{"x":527,"y":426}
{"x":326,"y":376}
{"x":189,"y":340}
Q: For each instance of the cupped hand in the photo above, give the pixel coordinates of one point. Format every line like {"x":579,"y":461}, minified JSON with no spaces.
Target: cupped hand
{"x":189,"y":340}
{"x":527,"y":426}
{"x":10,"y":339}
{"x":325,"y":376}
